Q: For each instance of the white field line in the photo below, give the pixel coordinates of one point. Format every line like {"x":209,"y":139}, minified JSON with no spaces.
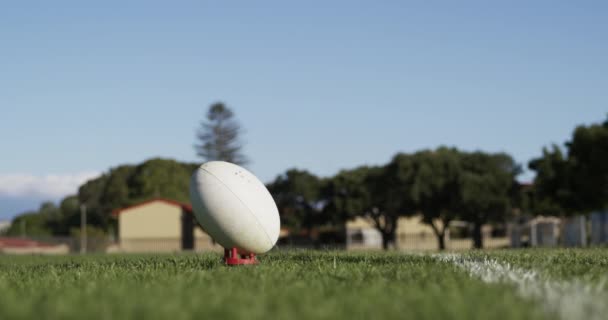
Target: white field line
{"x":575,"y":299}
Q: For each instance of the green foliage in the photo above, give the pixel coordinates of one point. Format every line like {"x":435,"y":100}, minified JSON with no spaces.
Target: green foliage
{"x":120,"y":187}
{"x":370,"y":192}
{"x":160,"y":178}
{"x":447,"y":184}
{"x":351,"y":192}
{"x":116,"y":189}
{"x":29,"y":223}
{"x":588,"y":155}
{"x":34,"y":223}
{"x":297,"y":195}
{"x":218,"y":136}
{"x":435,"y":187}
{"x":485,"y":186}
{"x":442,"y":185}
{"x":91,"y":194}
{"x":553,"y":194}
{"x":485,"y":183}
{"x":575,"y":182}
{"x":127,"y":185}
{"x":64,"y":216}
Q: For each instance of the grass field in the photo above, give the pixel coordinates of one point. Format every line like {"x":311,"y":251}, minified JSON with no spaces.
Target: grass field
{"x":531,"y":284}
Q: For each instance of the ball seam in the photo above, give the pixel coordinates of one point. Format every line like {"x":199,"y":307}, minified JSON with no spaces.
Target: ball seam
{"x":244,"y":204}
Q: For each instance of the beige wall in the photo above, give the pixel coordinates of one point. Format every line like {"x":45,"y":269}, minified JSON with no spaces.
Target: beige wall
{"x":405,"y":225}
{"x":414,"y":225}
{"x":203,"y":242}
{"x":58,"y":249}
{"x":154,"y":220}
{"x":199,"y":233}
{"x":150,"y":245}
{"x":152,"y":227}
{"x":413,"y":234}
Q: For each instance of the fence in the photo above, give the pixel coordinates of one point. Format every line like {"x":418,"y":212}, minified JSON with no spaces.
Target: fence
{"x":65,"y":245}
{"x":420,"y":242}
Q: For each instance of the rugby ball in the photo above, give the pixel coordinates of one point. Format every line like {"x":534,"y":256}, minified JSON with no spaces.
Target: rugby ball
{"x":234,"y":207}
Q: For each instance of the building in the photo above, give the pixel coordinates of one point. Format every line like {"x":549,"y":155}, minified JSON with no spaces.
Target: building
{"x":160,"y":225}
{"x":4,"y":225}
{"x":599,"y":228}
{"x":540,"y":231}
{"x":413,"y":235}
{"x":574,"y":231}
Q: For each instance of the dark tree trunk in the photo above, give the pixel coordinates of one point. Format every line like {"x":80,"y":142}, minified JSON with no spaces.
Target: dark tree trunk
{"x":441,"y":240}
{"x":387,"y":228}
{"x":388,"y":238}
{"x":477,"y":236}
{"x":440,"y":234}
{"x":187,"y":231}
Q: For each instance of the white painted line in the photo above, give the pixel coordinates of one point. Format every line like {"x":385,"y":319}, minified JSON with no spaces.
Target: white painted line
{"x":575,"y":299}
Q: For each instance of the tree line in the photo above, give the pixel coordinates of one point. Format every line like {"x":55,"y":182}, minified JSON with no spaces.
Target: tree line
{"x":120,"y":187}
{"x":573,"y":180}
{"x":440,"y":185}
{"x":447,"y":184}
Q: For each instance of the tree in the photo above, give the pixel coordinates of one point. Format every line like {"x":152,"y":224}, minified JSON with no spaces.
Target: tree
{"x":91,"y":194}
{"x":34,"y":223}
{"x":393,"y":187}
{"x":158,"y":177}
{"x":364,"y":192}
{"x":30,"y":223}
{"x":573,"y":182}
{"x":588,"y":159}
{"x":218,"y":136}
{"x":67,"y":216}
{"x":552,"y":191}
{"x":485,"y":185}
{"x":297,"y":194}
{"x":129,"y":184}
{"x":116,"y":190}
{"x":121,"y":186}
{"x":435,"y":188}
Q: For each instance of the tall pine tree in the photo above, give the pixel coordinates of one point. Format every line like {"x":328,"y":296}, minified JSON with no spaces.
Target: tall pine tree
{"x":218,"y":136}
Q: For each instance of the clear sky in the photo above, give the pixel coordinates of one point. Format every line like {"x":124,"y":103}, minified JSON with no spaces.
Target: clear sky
{"x":318,"y":86}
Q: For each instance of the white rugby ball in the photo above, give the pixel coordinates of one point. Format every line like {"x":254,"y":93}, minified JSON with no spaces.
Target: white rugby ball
{"x":234,"y":207}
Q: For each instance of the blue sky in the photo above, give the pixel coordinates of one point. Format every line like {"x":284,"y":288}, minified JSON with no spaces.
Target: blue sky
{"x":319,"y":86}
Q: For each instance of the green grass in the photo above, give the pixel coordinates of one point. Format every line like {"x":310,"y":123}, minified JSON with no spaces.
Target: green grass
{"x":301,"y":284}
{"x":589,"y":265}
